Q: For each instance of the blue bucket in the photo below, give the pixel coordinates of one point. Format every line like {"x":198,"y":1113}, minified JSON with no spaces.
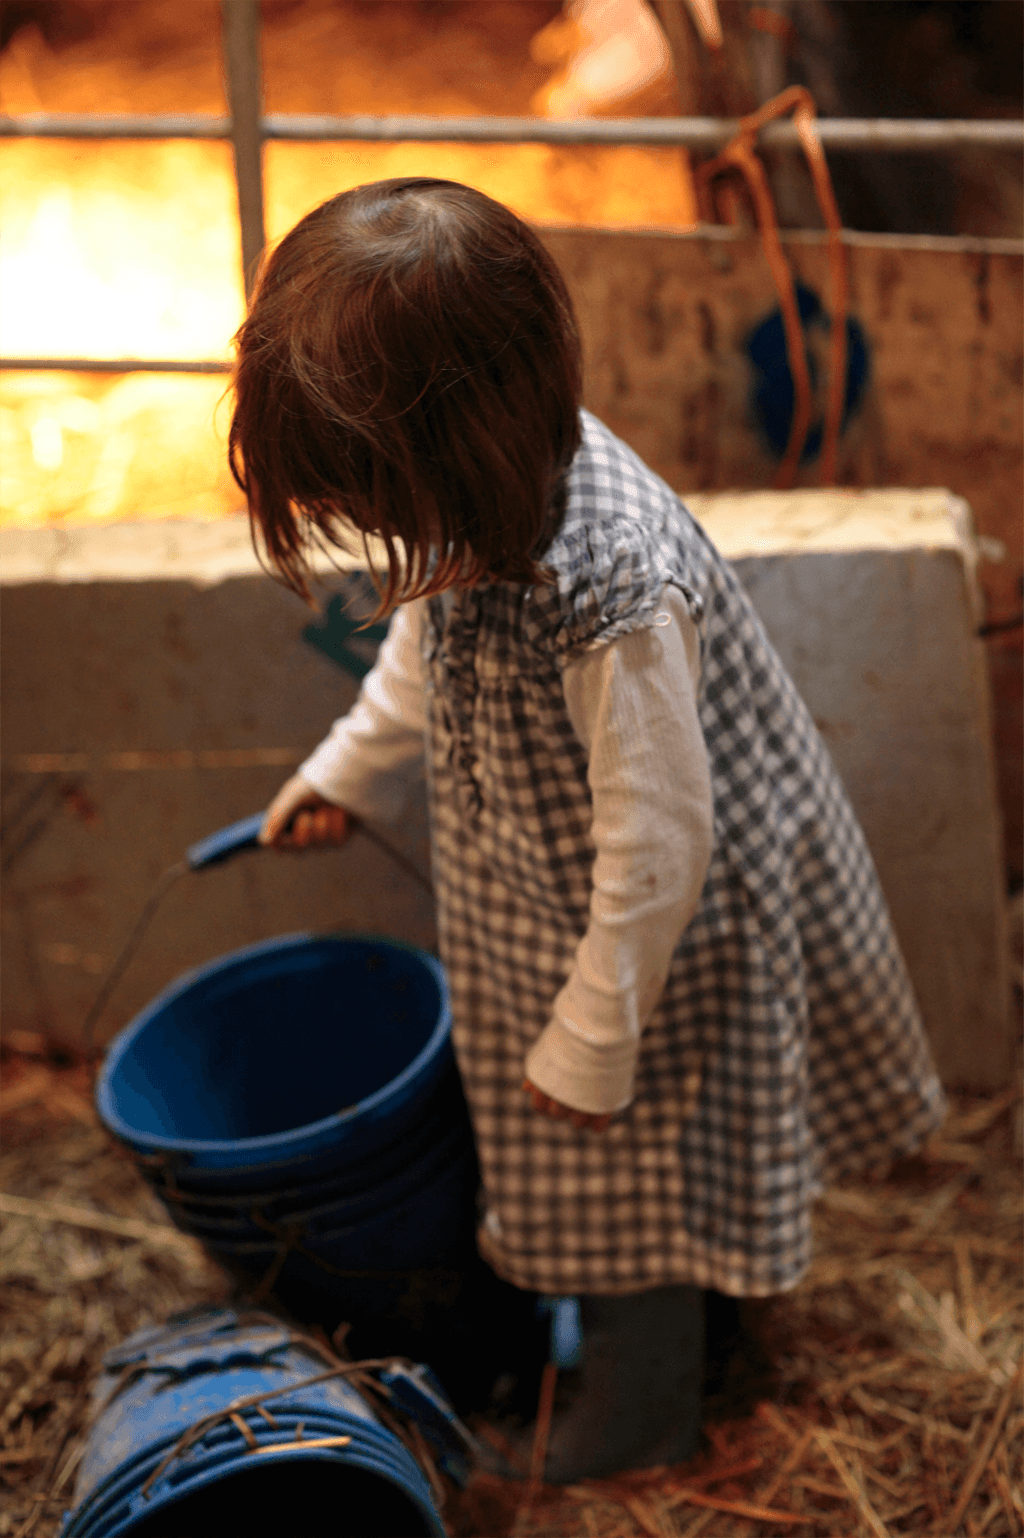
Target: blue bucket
{"x":143,"y":1474}
{"x":295,"y":1054}
{"x":297,"y":1106}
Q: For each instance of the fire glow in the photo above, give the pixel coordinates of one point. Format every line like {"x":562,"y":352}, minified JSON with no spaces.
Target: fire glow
{"x":115,"y":249}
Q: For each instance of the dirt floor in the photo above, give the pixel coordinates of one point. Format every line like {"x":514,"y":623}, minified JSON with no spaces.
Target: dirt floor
{"x":895,"y":1399}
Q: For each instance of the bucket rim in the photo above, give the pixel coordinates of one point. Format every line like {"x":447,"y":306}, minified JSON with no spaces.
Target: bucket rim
{"x":197,"y":1192}
{"x":121,"y":1486}
{"x":273,"y":1142}
{"x":403,"y":1186}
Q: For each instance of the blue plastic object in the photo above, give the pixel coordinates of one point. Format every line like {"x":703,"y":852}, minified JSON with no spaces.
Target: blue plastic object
{"x":237,"y":836}
{"x":299,"y":1099}
{"x":773,"y":394}
{"x":566,"y":1333}
{"x":285,"y":1051}
{"x":340,"y":635}
{"x":263,"y":1482}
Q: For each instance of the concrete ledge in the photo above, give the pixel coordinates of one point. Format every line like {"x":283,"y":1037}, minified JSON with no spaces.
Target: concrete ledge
{"x":872,"y":601}
{"x":156,"y":686}
{"x":168,"y":550}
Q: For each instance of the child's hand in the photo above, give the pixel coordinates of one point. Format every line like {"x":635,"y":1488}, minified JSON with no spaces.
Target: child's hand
{"x":559,"y":1112}
{"x":300,"y":818}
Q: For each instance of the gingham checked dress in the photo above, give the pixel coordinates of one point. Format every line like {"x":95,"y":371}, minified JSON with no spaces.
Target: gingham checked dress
{"x":786,"y":1048}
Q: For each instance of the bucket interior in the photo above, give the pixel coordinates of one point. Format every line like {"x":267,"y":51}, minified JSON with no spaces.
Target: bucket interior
{"x":319,"y":1499}
{"x":274,"y":1039}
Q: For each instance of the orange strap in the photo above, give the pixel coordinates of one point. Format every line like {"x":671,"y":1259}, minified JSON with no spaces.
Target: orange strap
{"x":740,"y":155}
{"x":708,"y":22}
{"x":761,"y":19}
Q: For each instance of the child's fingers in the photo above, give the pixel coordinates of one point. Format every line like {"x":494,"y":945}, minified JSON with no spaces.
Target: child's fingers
{"x":315,"y":827}
{"x":299,"y":834}
{"x":333,"y":825}
{"x":294,"y":793}
{"x":300,"y":818}
{"x":590,"y":1120}
{"x":547,"y":1106}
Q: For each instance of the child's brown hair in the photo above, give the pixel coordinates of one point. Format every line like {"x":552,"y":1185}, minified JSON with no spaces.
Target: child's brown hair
{"x":410,"y":368}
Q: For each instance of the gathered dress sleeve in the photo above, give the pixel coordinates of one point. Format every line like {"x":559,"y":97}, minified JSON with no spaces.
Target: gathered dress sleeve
{"x":372,"y":757}
{"x":633,"y":704}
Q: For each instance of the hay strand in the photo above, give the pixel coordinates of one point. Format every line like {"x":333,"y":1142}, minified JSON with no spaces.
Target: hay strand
{"x":985,"y":1451}
{"x":868,"y":1515}
{"x":545,"y":1408}
{"x":102,"y":1222}
{"x":646,"y":1518}
{"x":899,"y":1350}
{"x":743,"y":1509}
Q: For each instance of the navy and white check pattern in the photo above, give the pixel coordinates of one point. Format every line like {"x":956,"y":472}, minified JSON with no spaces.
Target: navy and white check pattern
{"x":786,"y":1049}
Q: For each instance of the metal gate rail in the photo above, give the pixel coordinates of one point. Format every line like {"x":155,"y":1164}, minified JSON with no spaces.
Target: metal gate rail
{"x":906,"y":135}
{"x":248,"y":128}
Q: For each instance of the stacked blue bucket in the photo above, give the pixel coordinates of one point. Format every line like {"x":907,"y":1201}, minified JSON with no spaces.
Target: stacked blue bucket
{"x":217,"y":1423}
{"x":297,"y":1107}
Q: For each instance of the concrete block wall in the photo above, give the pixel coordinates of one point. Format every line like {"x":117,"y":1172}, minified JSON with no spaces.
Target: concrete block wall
{"x":872,"y":601}
{"x":155,"y":686}
{"x":668,"y":322}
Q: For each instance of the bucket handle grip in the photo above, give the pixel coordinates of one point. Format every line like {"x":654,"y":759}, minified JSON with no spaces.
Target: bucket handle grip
{"x":219,"y":846}
{"x":243,"y":834}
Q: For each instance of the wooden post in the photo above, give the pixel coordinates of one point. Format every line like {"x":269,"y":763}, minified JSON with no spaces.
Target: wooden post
{"x":241,"y":46}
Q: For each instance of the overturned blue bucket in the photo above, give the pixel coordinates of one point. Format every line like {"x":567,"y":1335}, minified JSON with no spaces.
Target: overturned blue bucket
{"x":296,"y":1105}
{"x":215,"y":1424}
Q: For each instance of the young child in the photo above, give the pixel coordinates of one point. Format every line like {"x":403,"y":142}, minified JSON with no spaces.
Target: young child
{"x":679,"y":1008}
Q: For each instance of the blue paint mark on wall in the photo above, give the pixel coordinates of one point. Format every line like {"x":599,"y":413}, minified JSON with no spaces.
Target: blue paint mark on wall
{"x":772,"y":394}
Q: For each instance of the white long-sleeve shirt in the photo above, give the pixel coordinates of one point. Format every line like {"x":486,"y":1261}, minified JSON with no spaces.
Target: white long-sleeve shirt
{"x":632,"y":704}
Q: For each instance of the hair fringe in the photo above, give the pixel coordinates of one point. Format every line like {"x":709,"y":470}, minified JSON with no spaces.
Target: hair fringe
{"x":409,"y":370}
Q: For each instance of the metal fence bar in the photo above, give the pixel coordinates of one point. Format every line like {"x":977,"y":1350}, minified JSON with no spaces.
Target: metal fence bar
{"x":118,"y":125}
{"x":240,"y":35}
{"x":698,"y":133}
{"x":871,"y":135}
{"x":953,"y":244}
{"x":117,"y":365}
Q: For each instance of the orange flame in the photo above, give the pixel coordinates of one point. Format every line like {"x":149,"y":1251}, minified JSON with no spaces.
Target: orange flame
{"x":117,"y":249}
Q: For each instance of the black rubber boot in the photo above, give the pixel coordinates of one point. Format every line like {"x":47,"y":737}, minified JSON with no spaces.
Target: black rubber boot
{"x":639,"y":1399}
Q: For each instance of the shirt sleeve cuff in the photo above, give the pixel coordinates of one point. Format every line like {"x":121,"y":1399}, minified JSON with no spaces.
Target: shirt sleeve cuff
{"x":581,"y":1074}
{"x":363,"y":789}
